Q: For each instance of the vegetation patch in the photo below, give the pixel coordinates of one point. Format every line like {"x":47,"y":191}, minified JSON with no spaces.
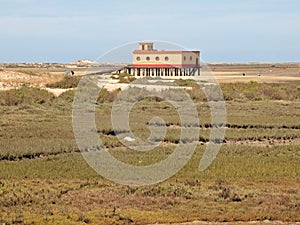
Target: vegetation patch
{"x":45,"y":180}
{"x":261,"y":91}
{"x":28,"y":72}
{"x":124,"y":77}
{"x":66,"y":82}
{"x":25,"y":95}
{"x":185,"y":82}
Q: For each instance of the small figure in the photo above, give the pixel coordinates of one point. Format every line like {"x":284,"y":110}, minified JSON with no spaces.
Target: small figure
{"x":69,"y":72}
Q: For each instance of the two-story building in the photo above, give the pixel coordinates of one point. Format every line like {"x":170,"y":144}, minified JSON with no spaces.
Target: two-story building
{"x":148,"y":61}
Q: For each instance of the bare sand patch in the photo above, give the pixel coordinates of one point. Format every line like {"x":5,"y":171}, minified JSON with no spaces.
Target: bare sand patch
{"x":15,"y":79}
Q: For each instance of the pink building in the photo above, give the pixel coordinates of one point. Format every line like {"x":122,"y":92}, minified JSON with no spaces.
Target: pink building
{"x":148,"y":61}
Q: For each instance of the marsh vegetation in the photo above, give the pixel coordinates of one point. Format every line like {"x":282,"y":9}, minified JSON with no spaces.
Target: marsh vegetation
{"x":45,"y":180}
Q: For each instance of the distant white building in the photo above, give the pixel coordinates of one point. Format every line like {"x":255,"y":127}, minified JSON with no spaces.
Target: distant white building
{"x":148,"y":61}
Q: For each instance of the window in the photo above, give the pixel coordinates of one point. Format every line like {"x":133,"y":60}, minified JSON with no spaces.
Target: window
{"x":191,"y":58}
{"x":184,"y":58}
{"x":148,"y":58}
{"x":157,"y":58}
{"x":138,"y":58}
{"x":166,"y":58}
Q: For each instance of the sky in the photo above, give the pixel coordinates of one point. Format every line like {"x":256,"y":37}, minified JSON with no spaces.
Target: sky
{"x":224,"y":31}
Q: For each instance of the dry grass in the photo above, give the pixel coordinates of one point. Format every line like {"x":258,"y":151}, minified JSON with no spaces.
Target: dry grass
{"x":44,"y":180}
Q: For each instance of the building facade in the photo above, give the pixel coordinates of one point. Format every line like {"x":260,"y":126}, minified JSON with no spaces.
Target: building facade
{"x":148,"y":61}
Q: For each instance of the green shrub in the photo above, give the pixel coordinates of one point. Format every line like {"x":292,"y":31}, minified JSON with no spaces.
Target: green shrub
{"x":133,"y":94}
{"x":260,"y":91}
{"x":106,"y":96}
{"x":298,"y":92}
{"x":124,"y":77}
{"x":65,"y":98}
{"x":66,"y":82}
{"x":196,"y":93}
{"x":185,"y":82}
{"x":25,"y":95}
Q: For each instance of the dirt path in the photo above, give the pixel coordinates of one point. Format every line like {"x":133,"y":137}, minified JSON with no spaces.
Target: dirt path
{"x":57,"y":91}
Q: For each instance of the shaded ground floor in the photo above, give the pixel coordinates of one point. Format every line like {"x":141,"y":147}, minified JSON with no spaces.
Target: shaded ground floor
{"x":161,"y":72}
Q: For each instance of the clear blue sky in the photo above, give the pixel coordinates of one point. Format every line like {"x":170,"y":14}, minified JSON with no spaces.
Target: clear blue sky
{"x":224,"y":31}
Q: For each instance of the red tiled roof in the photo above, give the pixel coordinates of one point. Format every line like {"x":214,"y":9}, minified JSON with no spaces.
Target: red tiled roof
{"x":161,"y":65}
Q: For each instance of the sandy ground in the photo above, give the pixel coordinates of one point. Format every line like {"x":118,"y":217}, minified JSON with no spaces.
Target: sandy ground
{"x":112,"y":84}
{"x":258,"y":73}
{"x":224,"y":73}
{"x":265,"y":222}
{"x":15,"y":79}
{"x":11,"y":79}
{"x":264,"y":78}
{"x":57,"y":91}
